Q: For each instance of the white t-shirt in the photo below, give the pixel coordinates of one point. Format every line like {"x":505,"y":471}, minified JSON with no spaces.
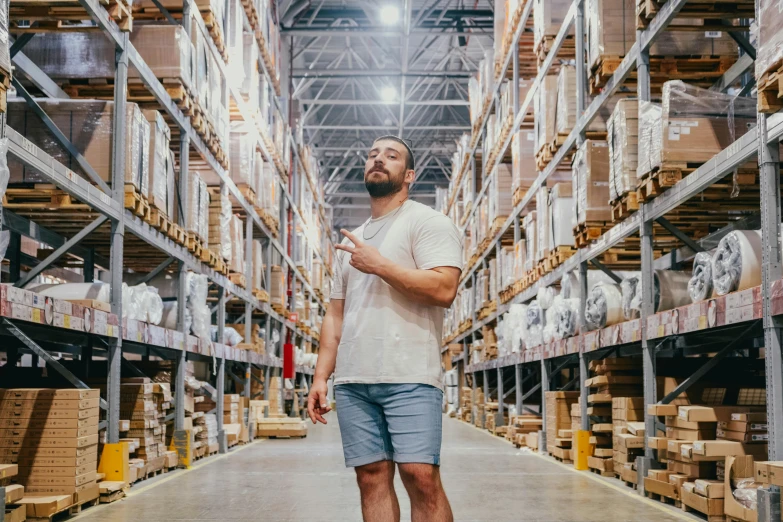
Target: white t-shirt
{"x":386,"y":337}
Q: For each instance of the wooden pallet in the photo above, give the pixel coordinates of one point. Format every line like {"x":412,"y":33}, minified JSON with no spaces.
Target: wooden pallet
{"x":664,"y":499}
{"x":238,"y":279}
{"x":557,"y":257}
{"x":487,"y":310}
{"x":624,"y":206}
{"x":194,"y":244}
{"x":702,"y":516}
{"x":61,"y":14}
{"x":136,"y":203}
{"x":176,"y":233}
{"x":41,"y":197}
{"x":647,"y":9}
{"x":770,"y":89}
{"x":72,"y":510}
{"x":586,"y":233}
{"x":519,"y":195}
{"x":542,"y":47}
{"x":694,"y":69}
{"x":511,"y":291}
{"x":601,"y":472}
{"x":211,"y":22}
{"x":158,"y":220}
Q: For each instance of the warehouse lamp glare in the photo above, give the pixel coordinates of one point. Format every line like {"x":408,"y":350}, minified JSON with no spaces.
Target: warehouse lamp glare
{"x":388,"y":94}
{"x":390,"y":15}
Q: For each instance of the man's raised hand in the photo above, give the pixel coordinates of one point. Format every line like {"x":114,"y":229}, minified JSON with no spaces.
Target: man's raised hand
{"x":365,"y":258}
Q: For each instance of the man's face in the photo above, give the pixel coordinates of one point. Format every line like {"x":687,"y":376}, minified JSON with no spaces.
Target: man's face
{"x":385,"y":170}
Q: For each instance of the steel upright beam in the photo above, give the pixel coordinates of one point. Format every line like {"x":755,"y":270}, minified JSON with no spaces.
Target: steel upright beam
{"x":221,"y":371}
{"x":545,"y":377}
{"x":769,"y":173}
{"x":518,"y":388}
{"x":583,"y":374}
{"x":249,"y":279}
{"x":117,"y":240}
{"x":581,"y":74}
{"x":182,"y":201}
{"x":499,"y":416}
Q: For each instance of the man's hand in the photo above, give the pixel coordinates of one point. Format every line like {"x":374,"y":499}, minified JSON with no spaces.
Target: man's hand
{"x":317,"y":404}
{"x":364,"y":258}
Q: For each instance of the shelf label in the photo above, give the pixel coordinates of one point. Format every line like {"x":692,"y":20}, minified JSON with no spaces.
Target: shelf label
{"x":29,"y":146}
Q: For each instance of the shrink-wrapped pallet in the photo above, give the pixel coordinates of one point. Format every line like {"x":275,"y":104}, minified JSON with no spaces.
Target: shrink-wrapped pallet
{"x":242,"y":154}
{"x":566,"y":116}
{"x":536,"y":322}
{"x":250,"y":84}
{"x":570,"y":286}
{"x":220,"y":215}
{"x":531,"y":243}
{"x":161,"y":165}
{"x":277,"y":287}
{"x":543,"y":222}
{"x":523,"y":160}
{"x":623,"y":139}
{"x":165,"y":49}
{"x":545,"y":106}
{"x":5,"y":55}
{"x":548,"y":16}
{"x":769,"y":45}
{"x":500,"y":193}
{"x":197,"y":214}
{"x":88,"y":126}
{"x":270,"y":197}
{"x":670,"y":290}
{"x":237,"y":243}
{"x":591,"y":182}
{"x":700,"y":284}
{"x":604,"y":306}
{"x":611,"y":32}
{"x":258,"y":268}
{"x":695,"y":124}
{"x":560,"y":212}
{"x":520,"y":258}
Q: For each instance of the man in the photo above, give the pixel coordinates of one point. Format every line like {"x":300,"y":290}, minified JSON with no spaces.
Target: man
{"x":393,"y":276}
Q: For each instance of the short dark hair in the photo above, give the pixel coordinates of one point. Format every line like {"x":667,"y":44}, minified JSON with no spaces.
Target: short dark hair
{"x":410,"y":163}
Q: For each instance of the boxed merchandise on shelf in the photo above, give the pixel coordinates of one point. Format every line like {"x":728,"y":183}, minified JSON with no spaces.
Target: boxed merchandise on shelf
{"x":531,"y":241}
{"x":500,"y":194}
{"x":258,"y":282}
{"x":88,"y":126}
{"x":558,"y":417}
{"x":523,"y":161}
{"x":197,"y":217}
{"x":566,"y":116}
{"x":210,"y":83}
{"x":277,"y":288}
{"x":591,"y":183}
{"x":545,"y":106}
{"x":161,"y":164}
{"x":681,"y":132}
{"x":548,"y":16}
{"x":242,"y":156}
{"x":237,"y":241}
{"x":559,"y":214}
{"x":220,"y":215}
{"x":543,"y":223}
{"x":623,"y":139}
{"x":250,"y":84}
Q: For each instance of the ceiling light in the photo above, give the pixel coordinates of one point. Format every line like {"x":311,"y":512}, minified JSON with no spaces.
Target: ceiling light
{"x":390,"y":14}
{"x":388,"y":94}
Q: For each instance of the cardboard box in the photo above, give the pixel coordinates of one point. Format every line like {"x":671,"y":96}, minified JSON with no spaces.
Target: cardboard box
{"x":738,"y":468}
{"x":743,"y":426}
{"x":67,"y":462}
{"x":56,"y":480}
{"x":80,"y":442}
{"x":47,"y":393}
{"x":742,"y":436}
{"x":710,"y":506}
{"x":709,"y":488}
{"x":658,"y":443}
{"x":692,"y":469}
{"x":678,"y":480}
{"x":629,"y":441}
{"x":29,"y":472}
{"x":725,"y":448}
{"x":8,"y":470}
{"x":683,"y":434}
{"x":662,"y":409}
{"x":15,"y":514}
{"x":13,"y":492}
{"x":47,"y":433}
{"x":660,"y":487}
{"x":45,"y":506}
{"x":750,"y":417}
{"x":709,"y":413}
{"x":48,"y":452}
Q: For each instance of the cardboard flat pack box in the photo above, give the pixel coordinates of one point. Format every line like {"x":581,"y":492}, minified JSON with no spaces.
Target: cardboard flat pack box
{"x":90,"y":459}
{"x":765,"y":469}
{"x":737,"y":468}
{"x":683,"y":434}
{"x":743,"y":426}
{"x":629,"y":441}
{"x":45,"y":506}
{"x":658,"y":443}
{"x":47,"y":423}
{"x":8,"y":470}
{"x":15,"y":514}
{"x":661,"y":410}
{"x":49,"y":393}
{"x":80,"y":442}
{"x":678,"y":480}
{"x":48,"y":433}
{"x":65,"y":409}
{"x":661,"y":487}
{"x":674,"y":421}
{"x":709,"y":413}
{"x":80,"y":490}
{"x":709,"y":488}
{"x":710,"y":506}
{"x":741,"y":436}
{"x":36,"y":471}
{"x":56,"y":481}
{"x":754,"y":417}
{"x":692,"y":469}
{"x":47,"y":452}
{"x":13,"y":492}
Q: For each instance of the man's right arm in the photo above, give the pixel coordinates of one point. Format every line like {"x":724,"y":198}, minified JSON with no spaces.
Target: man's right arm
{"x":331,"y":330}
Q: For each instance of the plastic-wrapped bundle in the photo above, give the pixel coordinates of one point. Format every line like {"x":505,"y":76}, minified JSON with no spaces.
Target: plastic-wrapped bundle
{"x":622,"y":136}
{"x":237,"y":244}
{"x":545,"y":297}
{"x":549,"y":333}
{"x":671,"y":289}
{"x":230,"y":336}
{"x":566,"y":316}
{"x":632,"y":296}
{"x":570,"y":288}
{"x":220,"y":215}
{"x":737,"y":262}
{"x":75,"y":291}
{"x":769,"y":46}
{"x":650,"y":131}
{"x":604,"y":306}
{"x":700,"y":285}
{"x":242,"y":150}
{"x":535,"y":325}
{"x":161,"y":172}
{"x":197,"y":302}
{"x":169,"y":316}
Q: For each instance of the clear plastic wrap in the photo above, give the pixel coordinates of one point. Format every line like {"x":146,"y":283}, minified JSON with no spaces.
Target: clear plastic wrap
{"x":230,"y":336}
{"x":535,"y":325}
{"x":746,"y":493}
{"x":159,"y":168}
{"x":220,"y":215}
{"x":570,"y":287}
{"x":250,"y":84}
{"x":769,"y":46}
{"x":523,"y":160}
{"x":500,"y":193}
{"x":5,"y":173}
{"x":542,"y":222}
{"x":197,"y":302}
{"x":737,"y":262}
{"x":88,"y":125}
{"x":650,"y":132}
{"x":632,"y":296}
{"x":545,"y":103}
{"x":700,"y":285}
{"x":548,"y":16}
{"x":242,"y":151}
{"x":610,"y":27}
{"x":560,"y":215}
{"x":591,"y":172}
{"x":604,"y":306}
{"x":671,"y":289}
{"x":623,"y":139}
{"x":546,"y":297}
{"x":237,"y":245}
{"x":75,"y":291}
{"x":566,"y":312}
{"x":531,"y":242}
{"x":517,"y":319}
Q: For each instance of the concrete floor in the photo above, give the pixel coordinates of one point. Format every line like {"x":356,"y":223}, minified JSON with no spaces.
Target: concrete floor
{"x":486,"y":479}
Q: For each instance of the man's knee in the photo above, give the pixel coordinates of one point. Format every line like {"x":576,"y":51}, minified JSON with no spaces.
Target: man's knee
{"x":423,"y":479}
{"x":375,"y":475}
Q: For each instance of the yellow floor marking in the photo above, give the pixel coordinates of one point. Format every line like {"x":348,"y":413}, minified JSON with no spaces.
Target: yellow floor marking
{"x":669,"y":510}
{"x":175,"y":475}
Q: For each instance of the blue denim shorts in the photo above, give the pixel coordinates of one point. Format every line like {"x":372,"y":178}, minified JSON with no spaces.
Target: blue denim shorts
{"x":399,"y":422}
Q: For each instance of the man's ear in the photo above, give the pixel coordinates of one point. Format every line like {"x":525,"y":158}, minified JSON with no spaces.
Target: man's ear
{"x":410,"y":175}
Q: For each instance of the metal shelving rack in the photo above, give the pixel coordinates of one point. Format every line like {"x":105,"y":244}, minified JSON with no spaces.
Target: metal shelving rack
{"x":44,"y":341}
{"x":762,"y":142}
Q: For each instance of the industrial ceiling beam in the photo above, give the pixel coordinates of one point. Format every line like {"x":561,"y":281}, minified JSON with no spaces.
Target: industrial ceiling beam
{"x":458,"y":103}
{"x":382,"y":32}
{"x":459,"y":128}
{"x":359,"y":73}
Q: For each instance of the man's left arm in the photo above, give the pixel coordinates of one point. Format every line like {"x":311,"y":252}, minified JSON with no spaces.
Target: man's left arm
{"x":437,"y":250}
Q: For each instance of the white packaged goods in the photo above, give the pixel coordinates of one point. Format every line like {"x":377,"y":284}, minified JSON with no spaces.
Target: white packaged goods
{"x":604,"y":306}
{"x":234,"y":41}
{"x":250,"y":84}
{"x":566,"y":312}
{"x":500,"y":194}
{"x":242,"y":154}
{"x":75,"y":291}
{"x":700,"y":285}
{"x":544,"y":105}
{"x":197,"y":218}
{"x":536,"y":322}
{"x":623,"y":138}
{"x":523,"y":160}
{"x":769,"y":46}
{"x":88,"y":125}
{"x":237,"y":232}
{"x":142,"y":303}
{"x":650,"y":130}
{"x":520,"y":258}
{"x":531,"y":249}
{"x":197,"y":313}
{"x":548,"y":16}
{"x":161,"y":164}
{"x":591,"y":183}
{"x":560,"y":212}
{"x":670,"y":291}
{"x":737,"y":262}
{"x":258,"y":268}
{"x":546,"y":297}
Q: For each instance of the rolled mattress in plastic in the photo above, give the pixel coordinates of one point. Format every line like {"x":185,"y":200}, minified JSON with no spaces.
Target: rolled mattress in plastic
{"x":737,"y":262}
{"x":604,"y":306}
{"x":671,"y":289}
{"x":700,"y":284}
{"x":76,"y":291}
{"x":566,"y":318}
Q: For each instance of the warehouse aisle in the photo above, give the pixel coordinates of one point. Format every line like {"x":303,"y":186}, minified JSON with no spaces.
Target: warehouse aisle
{"x":486,"y":479}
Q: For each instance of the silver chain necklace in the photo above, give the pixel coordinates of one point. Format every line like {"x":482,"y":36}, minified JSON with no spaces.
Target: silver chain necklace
{"x":383,"y":225}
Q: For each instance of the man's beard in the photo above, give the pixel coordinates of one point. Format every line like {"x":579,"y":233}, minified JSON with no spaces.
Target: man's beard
{"x":382,"y":189}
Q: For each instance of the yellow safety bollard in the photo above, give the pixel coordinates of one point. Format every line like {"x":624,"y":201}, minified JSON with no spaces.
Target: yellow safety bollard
{"x":582,"y":449}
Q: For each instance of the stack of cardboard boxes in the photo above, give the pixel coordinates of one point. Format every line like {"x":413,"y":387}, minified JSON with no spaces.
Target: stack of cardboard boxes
{"x":524,"y":426}
{"x":13,"y":494}
{"x":627,"y":436}
{"x":51,"y":435}
{"x":558,"y":417}
{"x":144,"y":404}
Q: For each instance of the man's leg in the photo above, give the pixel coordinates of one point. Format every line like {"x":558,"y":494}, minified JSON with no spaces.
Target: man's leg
{"x":376,"y":485}
{"x":428,"y":499}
